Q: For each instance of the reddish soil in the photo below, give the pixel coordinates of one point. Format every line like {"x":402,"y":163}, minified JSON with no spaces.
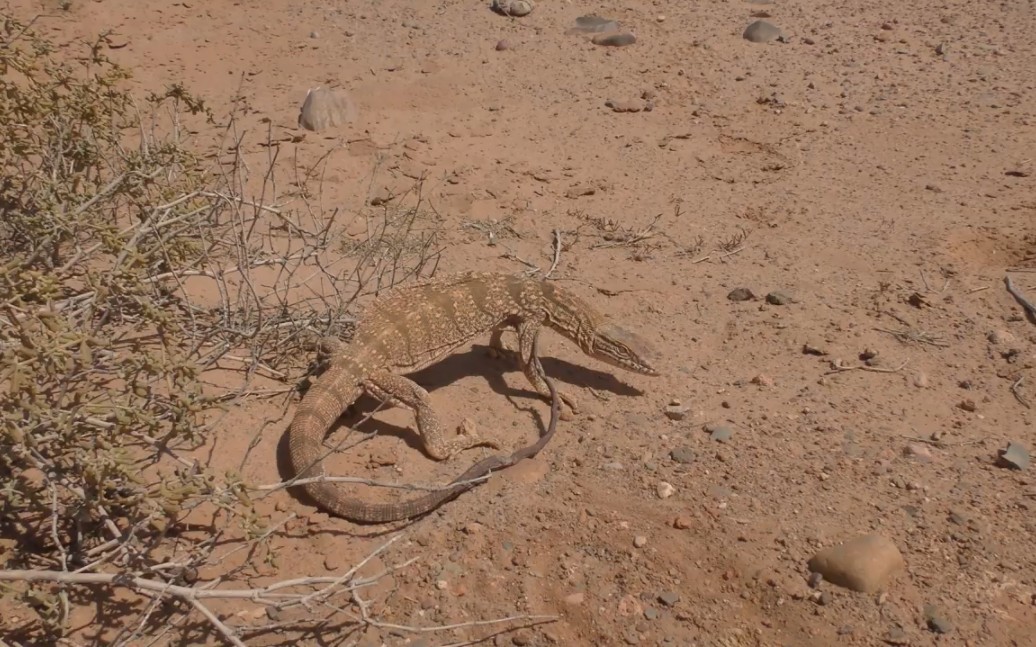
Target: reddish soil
{"x":877,"y":168}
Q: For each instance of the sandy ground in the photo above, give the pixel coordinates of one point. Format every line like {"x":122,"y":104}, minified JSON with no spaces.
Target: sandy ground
{"x":877,"y":168}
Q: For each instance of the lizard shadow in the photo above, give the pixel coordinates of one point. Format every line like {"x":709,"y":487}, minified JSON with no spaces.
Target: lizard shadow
{"x":473,"y":362}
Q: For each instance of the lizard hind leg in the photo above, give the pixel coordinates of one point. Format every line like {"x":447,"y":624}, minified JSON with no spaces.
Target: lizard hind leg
{"x":398,"y":389}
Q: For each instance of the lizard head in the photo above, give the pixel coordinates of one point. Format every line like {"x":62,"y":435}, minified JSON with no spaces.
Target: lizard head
{"x":613,"y":344}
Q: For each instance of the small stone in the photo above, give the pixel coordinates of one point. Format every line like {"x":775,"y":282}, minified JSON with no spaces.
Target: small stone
{"x":719,"y":433}
{"x":864,"y":563}
{"x":918,"y":451}
{"x":809,"y":349}
{"x":936,"y":620}
{"x":967,"y":405}
{"x":740,"y":294}
{"x":614,"y":40}
{"x":762,"y":32}
{"x":868,"y":354}
{"x":503,"y":45}
{"x":669,"y":598}
{"x":815,"y":579}
{"x":682,"y":523}
{"x":1016,"y":456}
{"x":676,"y":411}
{"x":314,"y":34}
{"x":574,"y":599}
{"x":651,"y":613}
{"x":778,"y":298}
{"x":592,"y":24}
{"x":640,"y":541}
{"x":763,"y":380}
{"x":999,"y":337}
{"x":665,"y":490}
{"x":326,"y":108}
{"x":682,"y":454}
{"x":921,"y":380}
{"x":516,"y":8}
{"x":896,"y":636}
{"x":626,"y":105}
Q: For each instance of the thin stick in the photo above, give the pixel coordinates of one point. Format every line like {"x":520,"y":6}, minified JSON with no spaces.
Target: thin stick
{"x":1029,"y":308}
{"x":1017,"y":395}
{"x":841,"y":368}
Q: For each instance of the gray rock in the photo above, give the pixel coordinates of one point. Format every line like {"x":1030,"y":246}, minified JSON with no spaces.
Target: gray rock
{"x":719,"y":433}
{"x":676,"y":411}
{"x":779,"y":298}
{"x":762,"y":32}
{"x":326,"y":108}
{"x":614,"y":40}
{"x":1016,"y":456}
{"x":594,"y":25}
{"x":864,"y":563}
{"x":669,"y":598}
{"x":682,"y":454}
{"x":936,"y":619}
{"x":740,"y":294}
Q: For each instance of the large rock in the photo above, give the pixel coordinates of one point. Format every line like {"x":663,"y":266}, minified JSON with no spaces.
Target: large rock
{"x":326,"y":108}
{"x":862,"y":564}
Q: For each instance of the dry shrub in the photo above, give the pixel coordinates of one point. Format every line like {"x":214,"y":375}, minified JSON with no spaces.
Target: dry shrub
{"x":129,"y":271}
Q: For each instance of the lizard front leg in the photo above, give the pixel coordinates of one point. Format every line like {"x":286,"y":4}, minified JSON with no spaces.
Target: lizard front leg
{"x":528,"y":352}
{"x":386,"y":385}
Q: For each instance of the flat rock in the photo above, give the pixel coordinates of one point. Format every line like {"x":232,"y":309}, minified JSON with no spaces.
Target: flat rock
{"x":614,"y":40}
{"x":864,"y":563}
{"x":1016,"y":456}
{"x":326,"y":108}
{"x":593,"y":25}
{"x":683,"y":454}
{"x":627,"y":105}
{"x":762,"y":32}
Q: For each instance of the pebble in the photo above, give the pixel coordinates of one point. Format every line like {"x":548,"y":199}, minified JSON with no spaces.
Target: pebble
{"x":778,"y":298}
{"x":921,"y":380}
{"x":594,"y":25}
{"x":936,"y":620}
{"x":664,"y":490}
{"x":503,"y":45}
{"x":1016,"y":456}
{"x":918,"y":451}
{"x":763,"y":380}
{"x":1000,"y":337}
{"x":740,"y":294}
{"x":640,"y":541}
{"x":896,"y":636}
{"x":326,"y":108}
{"x":968,"y":405}
{"x":516,"y":8}
{"x":614,"y":40}
{"x":629,"y":105}
{"x":676,"y":411}
{"x":682,"y":523}
{"x":864,"y":563}
{"x":762,"y":32}
{"x":682,"y":454}
{"x":575,"y":599}
{"x":719,"y":433}
{"x":669,"y":598}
